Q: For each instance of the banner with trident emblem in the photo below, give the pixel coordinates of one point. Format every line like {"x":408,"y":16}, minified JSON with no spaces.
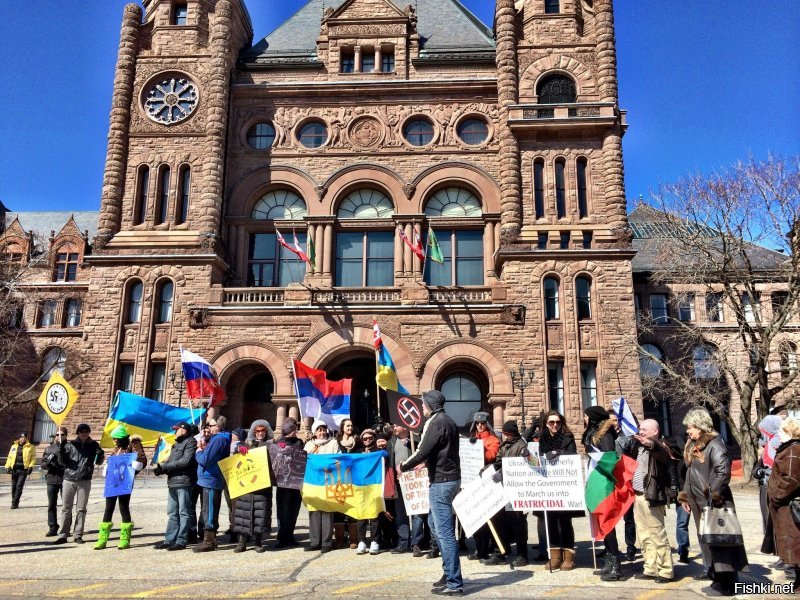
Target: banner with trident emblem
{"x":346,"y":483}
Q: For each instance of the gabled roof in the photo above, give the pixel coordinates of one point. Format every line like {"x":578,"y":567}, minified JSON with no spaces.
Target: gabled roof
{"x":42,"y":223}
{"x":442,"y":25}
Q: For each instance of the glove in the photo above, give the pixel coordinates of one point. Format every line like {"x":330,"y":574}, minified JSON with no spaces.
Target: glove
{"x":137,"y":466}
{"x":243,"y":450}
{"x":498,"y":477}
{"x":9,"y":471}
{"x":30,"y":470}
{"x":552,"y":455}
{"x":158,"y":470}
{"x":472,"y":440}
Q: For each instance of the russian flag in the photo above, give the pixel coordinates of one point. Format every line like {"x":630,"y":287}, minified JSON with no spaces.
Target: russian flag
{"x":201,"y":380}
{"x":319,"y":398}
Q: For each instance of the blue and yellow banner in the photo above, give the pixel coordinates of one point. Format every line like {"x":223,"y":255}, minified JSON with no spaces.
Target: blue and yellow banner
{"x":146,"y":418}
{"x":386,"y":377}
{"x":346,"y":483}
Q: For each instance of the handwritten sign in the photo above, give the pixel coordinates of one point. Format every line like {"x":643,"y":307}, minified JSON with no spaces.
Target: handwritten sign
{"x":288,"y":465}
{"x":555,"y":485}
{"x":478,"y":502}
{"x":246,"y":473}
{"x":415,"y":485}
{"x":471,"y":456}
{"x":119,"y":475}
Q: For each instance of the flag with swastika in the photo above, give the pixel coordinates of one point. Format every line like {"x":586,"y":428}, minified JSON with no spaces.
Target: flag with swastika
{"x":405,"y":410}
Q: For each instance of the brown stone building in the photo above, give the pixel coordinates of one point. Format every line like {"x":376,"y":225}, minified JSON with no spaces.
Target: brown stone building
{"x":352,"y":120}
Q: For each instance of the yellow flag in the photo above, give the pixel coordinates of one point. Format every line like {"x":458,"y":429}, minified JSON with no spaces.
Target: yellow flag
{"x":246,"y":473}
{"x":58,"y":398}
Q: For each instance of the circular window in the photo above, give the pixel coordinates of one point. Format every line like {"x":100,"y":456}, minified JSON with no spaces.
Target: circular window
{"x":418,"y":132}
{"x":473,"y":131}
{"x":261,"y":136}
{"x":171,"y":100}
{"x":313,"y":135}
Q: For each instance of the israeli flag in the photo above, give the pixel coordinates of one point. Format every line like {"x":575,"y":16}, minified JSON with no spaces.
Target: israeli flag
{"x":628,"y":422}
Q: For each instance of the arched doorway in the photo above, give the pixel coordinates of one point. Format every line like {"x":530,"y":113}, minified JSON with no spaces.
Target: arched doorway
{"x":360,"y":367}
{"x":465,"y":387}
{"x":250,"y":391}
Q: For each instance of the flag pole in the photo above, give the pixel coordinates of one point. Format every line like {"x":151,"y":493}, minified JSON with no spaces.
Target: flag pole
{"x":378,"y":385}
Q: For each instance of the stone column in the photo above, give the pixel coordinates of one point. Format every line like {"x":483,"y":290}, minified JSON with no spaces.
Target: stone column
{"x":117,"y":154}
{"x":408,"y":266}
{"x":241,"y":252}
{"x":378,"y":67}
{"x":294,"y":412}
{"x":417,"y":262}
{"x":606,"y":51}
{"x":357,"y":60}
{"x":311,"y":235}
{"x":327,"y":247}
{"x":280,"y":416}
{"x":320,"y":249}
{"x":398,"y":253}
{"x":488,"y":249}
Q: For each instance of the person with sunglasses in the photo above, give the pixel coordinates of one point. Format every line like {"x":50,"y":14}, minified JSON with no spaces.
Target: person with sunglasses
{"x":54,"y":479}
{"x":211,"y":481}
{"x":252,"y":512}
{"x":320,"y":522}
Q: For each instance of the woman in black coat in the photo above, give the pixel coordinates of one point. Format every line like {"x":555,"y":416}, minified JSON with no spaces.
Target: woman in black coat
{"x":252,"y":515}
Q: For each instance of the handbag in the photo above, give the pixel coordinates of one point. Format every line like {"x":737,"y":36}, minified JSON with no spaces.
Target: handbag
{"x":794,"y":507}
{"x":720,"y":527}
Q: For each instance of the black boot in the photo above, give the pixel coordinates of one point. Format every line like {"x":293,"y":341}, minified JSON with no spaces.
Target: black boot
{"x":258,"y":544}
{"x":242,"y":545}
{"x":604,"y":570}
{"x":209,"y":543}
{"x":797,"y":577}
{"x":615,"y":570}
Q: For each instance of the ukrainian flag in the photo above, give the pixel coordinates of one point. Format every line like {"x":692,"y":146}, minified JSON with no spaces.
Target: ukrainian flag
{"x":386,"y":376}
{"x":346,"y":483}
{"x":146,"y":418}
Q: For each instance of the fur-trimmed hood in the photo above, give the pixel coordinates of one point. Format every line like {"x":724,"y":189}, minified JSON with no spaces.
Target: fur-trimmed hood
{"x":694,"y":448}
{"x":602,"y":430}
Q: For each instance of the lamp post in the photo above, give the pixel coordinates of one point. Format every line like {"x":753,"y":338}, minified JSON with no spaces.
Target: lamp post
{"x":521,"y":379}
{"x":178,"y":382}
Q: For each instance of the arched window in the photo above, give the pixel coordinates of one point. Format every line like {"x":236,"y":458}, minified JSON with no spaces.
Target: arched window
{"x":165,"y":294}
{"x":280,"y":205}
{"x":162,"y":197}
{"x":538,"y":187}
{"x":583,"y":198}
{"x":47,"y":313}
{"x":142,"y":187}
{"x":788,"y":354}
{"x":556,"y":89}
{"x":551,"y":308}
{"x":73,"y":312}
{"x":583,"y":298}
{"x":185,"y":185}
{"x":588,"y":385}
{"x":650,"y":360}
{"x":366,"y":204}
{"x":453,"y":202}
{"x":272,"y":265}
{"x":561,"y":193}
{"x":53,"y":361}
{"x":134,"y":306}
{"x":705,"y":365}
{"x":463,"y":395}
{"x":43,"y":426}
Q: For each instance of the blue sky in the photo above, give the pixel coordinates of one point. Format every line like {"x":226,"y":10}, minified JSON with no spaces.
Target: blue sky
{"x":704,"y":83}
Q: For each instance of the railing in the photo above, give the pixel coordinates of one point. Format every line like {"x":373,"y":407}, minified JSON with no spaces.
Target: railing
{"x":562,"y":111}
{"x":457,"y":295}
{"x":357,"y":296}
{"x":251,"y":296}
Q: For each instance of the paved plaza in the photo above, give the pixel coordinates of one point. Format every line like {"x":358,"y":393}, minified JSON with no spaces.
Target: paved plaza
{"x":31,"y":567}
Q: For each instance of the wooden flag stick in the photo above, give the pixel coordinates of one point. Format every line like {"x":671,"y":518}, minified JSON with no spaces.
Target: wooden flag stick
{"x":496,"y":537}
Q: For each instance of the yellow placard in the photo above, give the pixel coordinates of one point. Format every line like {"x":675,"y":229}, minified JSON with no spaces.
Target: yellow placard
{"x":246,"y":473}
{"x":58,"y":398}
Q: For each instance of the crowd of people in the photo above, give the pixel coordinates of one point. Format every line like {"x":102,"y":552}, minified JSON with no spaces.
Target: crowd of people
{"x":693,"y":476}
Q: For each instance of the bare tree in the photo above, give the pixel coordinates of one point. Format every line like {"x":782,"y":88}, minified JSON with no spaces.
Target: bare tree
{"x":734,"y":238}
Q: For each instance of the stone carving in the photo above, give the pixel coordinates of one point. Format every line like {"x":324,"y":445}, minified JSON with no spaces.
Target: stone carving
{"x":366,"y":132}
{"x":367,"y":29}
{"x":409,"y":189}
{"x":198,"y":318}
{"x":130,"y":339}
{"x":587,"y":337}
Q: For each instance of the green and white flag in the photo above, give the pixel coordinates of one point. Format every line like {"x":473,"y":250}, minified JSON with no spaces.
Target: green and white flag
{"x":435,"y":252}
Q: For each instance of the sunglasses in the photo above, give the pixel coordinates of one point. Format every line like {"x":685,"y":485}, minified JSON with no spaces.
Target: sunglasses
{"x":367,"y":437}
{"x":554,"y":422}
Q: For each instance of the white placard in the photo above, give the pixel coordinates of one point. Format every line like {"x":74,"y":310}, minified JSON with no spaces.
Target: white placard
{"x":471,"y":456}
{"x":414,"y":485}
{"x":556,"y":485}
{"x":478,"y":502}
{"x":534,"y":459}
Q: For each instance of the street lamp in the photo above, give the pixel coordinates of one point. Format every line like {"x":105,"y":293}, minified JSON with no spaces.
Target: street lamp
{"x":178,"y":382}
{"x":521,"y":379}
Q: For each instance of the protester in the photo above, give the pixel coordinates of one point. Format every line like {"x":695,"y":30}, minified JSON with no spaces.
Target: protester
{"x":653,"y":481}
{"x":438,"y":450}
{"x":230,"y":503}
{"x":211,"y":481}
{"x":348,"y":438}
{"x":287,"y":500}
{"x":783,"y":487}
{"x":19,"y":464}
{"x":124,"y":443}
{"x":682,"y":517}
{"x":707,"y":477}
{"x":320,"y":523}
{"x":78,"y":458}
{"x":368,"y":444}
{"x":600,"y":435}
{"x":769,"y":442}
{"x":481,"y":430}
{"x":54,"y":478}
{"x":557,"y":440}
{"x":252,"y":518}
{"x":400,"y":451}
{"x":181,"y":471}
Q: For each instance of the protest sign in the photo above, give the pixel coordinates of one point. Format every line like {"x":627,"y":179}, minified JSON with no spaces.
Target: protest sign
{"x":471,"y":455}
{"x":534,"y":459}
{"x":414,"y":485}
{"x":119,"y":475}
{"x":554,"y":486}
{"x":478,"y":502}
{"x":246,"y":473}
{"x":288,"y":465}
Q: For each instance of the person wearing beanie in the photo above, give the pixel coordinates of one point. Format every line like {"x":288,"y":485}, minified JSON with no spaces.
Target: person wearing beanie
{"x":19,"y":464}
{"x":180,"y":467}
{"x":252,"y":513}
{"x":210,"y":480}
{"x":78,"y":459}
{"x":288,"y":500}
{"x":54,"y":479}
{"x":481,"y":430}
{"x":124,"y":443}
{"x":438,"y":450}
{"x":320,"y":523}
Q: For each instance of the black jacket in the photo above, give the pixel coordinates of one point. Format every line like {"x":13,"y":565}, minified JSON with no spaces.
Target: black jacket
{"x":55,"y":472}
{"x":252,"y":513}
{"x":511,"y":448}
{"x":661,"y":475}
{"x":181,"y":465}
{"x":79,"y":458}
{"x":438,"y":449}
{"x":562,"y":443}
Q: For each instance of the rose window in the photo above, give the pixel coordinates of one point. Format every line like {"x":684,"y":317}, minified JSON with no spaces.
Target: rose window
{"x":171,"y":100}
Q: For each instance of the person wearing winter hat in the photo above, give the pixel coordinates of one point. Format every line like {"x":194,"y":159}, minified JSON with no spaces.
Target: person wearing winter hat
{"x":438,"y":450}
{"x":369,"y":444}
{"x":19,"y":464}
{"x":211,"y":481}
{"x":180,"y":468}
{"x":288,"y":500}
{"x":124,"y":443}
{"x":320,"y":523}
{"x":481,"y":430}
{"x":54,"y":478}
{"x":252,"y":519}
{"x":78,"y":458}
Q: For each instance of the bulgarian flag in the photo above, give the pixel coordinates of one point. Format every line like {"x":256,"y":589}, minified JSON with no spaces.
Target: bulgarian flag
{"x":609,"y":490}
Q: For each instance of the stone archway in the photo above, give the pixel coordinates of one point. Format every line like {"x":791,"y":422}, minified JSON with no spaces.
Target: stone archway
{"x":250,"y":389}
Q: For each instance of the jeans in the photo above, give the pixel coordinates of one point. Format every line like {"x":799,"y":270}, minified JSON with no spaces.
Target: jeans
{"x":178,"y":516}
{"x":210,"y":502}
{"x":53,"y":490}
{"x":682,"y":529}
{"x":418,"y":531}
{"x":441,"y":502}
{"x":77,"y":493}
{"x":401,"y":524}
{"x":18,"y":477}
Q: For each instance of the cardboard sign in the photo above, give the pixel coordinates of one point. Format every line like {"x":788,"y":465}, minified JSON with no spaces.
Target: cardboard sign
{"x":478,"y":502}
{"x":246,"y":473}
{"x":471,"y":456}
{"x":119,"y":475}
{"x":288,"y":465}
{"x":58,"y":397}
{"x":555,"y":485}
{"x":414,"y":485}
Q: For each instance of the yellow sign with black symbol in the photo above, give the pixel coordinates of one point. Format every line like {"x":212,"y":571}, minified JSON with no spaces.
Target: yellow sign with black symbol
{"x":58,"y":398}
{"x":246,"y":473}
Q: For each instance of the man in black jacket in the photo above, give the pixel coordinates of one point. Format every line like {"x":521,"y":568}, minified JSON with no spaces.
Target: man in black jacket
{"x":438,"y":450}
{"x":54,"y":479}
{"x":78,"y":458}
{"x":181,"y":470}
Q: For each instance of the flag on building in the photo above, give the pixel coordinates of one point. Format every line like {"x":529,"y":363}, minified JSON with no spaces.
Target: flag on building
{"x":312,"y":251}
{"x":416,"y":245}
{"x":58,"y":397}
{"x":435,"y":251}
{"x":319,"y":398}
{"x":377,"y":340}
{"x":351,"y":484}
{"x":386,"y":376}
{"x":149,"y":419}
{"x":294,"y":247}
{"x":201,"y":379}
{"x":627,"y":421}
{"x":609,"y":490}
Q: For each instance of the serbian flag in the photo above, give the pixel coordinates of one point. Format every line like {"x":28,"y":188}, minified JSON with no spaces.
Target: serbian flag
{"x":609,"y":490}
{"x":201,"y":379}
{"x":416,"y":246}
{"x":319,"y":398}
{"x":293,"y":248}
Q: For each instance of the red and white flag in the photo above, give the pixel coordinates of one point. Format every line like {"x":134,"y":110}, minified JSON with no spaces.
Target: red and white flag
{"x":294,"y":249}
{"x":416,"y":246}
{"x":376,"y":335}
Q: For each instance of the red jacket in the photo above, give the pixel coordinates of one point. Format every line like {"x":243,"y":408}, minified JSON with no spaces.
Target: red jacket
{"x":491,"y":444}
